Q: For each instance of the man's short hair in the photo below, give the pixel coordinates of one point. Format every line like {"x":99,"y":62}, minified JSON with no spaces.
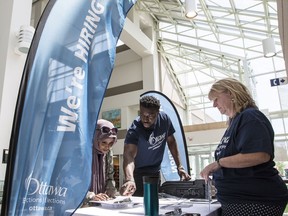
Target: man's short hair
{"x":150,"y":102}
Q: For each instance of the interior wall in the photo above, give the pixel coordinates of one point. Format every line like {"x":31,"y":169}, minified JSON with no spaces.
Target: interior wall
{"x":169,"y":88}
{"x":13,"y":14}
{"x":210,"y":136}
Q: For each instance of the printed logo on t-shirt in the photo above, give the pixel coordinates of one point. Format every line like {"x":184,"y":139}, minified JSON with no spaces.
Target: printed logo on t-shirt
{"x":156,"y":142}
{"x":222,"y":145}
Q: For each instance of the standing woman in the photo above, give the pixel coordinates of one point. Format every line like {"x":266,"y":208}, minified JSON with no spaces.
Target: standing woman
{"x":102,"y":181}
{"x":245,"y":178}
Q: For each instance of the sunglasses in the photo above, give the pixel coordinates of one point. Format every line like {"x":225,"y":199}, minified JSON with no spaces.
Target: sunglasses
{"x":106,"y":130}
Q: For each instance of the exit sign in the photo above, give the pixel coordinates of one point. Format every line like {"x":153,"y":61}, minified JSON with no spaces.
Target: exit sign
{"x":278,"y":81}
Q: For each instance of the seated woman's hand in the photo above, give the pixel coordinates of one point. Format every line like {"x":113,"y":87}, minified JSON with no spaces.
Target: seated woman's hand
{"x":101,"y":197}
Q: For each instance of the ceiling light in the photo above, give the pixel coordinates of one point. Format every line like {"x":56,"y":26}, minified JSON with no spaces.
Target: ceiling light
{"x":269,"y":47}
{"x":191,"y":9}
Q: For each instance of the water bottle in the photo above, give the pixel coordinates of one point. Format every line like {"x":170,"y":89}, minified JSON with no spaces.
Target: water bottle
{"x":151,"y":201}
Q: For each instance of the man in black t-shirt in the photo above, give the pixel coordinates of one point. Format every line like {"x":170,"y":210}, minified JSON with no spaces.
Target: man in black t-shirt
{"x":145,"y":144}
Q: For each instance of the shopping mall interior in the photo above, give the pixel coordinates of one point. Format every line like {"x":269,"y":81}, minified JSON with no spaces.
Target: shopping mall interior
{"x":161,"y":49}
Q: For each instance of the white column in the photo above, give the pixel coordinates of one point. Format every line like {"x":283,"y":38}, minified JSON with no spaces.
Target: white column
{"x":13,"y":14}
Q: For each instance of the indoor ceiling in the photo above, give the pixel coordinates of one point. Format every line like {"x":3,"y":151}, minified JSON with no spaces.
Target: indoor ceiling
{"x":224,"y":40}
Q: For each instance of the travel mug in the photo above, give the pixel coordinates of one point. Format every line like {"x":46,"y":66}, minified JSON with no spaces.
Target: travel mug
{"x":151,"y":201}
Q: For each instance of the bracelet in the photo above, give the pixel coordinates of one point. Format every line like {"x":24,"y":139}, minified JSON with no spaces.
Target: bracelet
{"x":180,"y":168}
{"x":218,"y":162}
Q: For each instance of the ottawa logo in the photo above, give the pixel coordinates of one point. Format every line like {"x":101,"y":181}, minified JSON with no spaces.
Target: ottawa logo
{"x":34,"y":186}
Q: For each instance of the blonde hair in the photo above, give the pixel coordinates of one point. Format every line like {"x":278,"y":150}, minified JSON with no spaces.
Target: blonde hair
{"x":240,"y":94}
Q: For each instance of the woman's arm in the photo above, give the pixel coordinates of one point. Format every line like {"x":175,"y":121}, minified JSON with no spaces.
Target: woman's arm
{"x":235,"y":161}
{"x":244,"y":160}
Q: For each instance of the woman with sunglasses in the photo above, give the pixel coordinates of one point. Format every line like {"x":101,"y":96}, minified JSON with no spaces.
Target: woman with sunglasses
{"x":102,"y":181}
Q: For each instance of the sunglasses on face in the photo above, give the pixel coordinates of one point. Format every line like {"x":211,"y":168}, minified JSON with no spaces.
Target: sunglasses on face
{"x":106,"y":130}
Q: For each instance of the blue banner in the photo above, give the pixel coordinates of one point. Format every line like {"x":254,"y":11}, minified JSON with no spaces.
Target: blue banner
{"x":67,"y":71}
{"x":168,"y":166}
